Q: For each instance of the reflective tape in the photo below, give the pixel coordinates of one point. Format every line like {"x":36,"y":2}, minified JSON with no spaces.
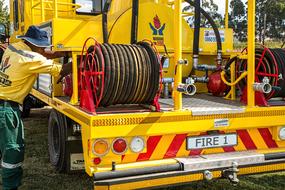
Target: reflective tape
{"x":11,"y":166}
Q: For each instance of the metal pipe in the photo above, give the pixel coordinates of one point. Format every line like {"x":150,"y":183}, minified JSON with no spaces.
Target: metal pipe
{"x":205,"y":67}
{"x":196,"y":33}
{"x":137,"y":171}
{"x":251,"y":53}
{"x":166,"y":82}
{"x":177,"y":53}
{"x":74,"y":98}
{"x":43,"y":10}
{"x":203,"y":79}
{"x":227,"y":15}
{"x":55,"y":8}
{"x":274,"y":156}
{"x":135,"y":17}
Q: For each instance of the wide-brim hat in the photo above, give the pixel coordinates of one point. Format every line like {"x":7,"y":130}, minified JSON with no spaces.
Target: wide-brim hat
{"x":37,"y":37}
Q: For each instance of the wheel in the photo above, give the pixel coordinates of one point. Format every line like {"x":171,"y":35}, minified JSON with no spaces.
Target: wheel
{"x":57,"y":135}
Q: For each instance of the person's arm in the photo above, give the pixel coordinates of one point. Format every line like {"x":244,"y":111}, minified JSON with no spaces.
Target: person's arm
{"x":44,"y":66}
{"x":53,"y":55}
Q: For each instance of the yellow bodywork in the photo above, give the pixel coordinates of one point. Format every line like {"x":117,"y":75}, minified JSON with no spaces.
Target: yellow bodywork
{"x":69,"y":31}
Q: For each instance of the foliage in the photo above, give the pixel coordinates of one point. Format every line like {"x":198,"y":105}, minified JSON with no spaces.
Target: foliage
{"x":270,"y":19}
{"x":238,"y":19}
{"x":211,"y":8}
{"x":4,"y":15}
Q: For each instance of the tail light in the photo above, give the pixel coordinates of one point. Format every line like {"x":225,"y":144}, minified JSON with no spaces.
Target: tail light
{"x":119,"y":146}
{"x":100,"y":147}
{"x":137,"y":144}
{"x":97,"y":161}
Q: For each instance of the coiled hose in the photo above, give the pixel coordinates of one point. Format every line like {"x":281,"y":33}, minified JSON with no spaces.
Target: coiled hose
{"x":269,"y":63}
{"x":121,"y":74}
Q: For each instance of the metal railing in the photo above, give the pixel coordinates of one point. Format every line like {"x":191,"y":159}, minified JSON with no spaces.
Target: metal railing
{"x":51,"y":5}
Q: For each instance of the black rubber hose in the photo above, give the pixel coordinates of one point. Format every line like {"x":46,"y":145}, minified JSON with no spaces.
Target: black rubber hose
{"x":132,"y":74}
{"x":135,"y":17}
{"x":105,"y":20}
{"x":149,"y":85}
{"x":126,"y":75}
{"x":155,"y":68}
{"x":145,"y":81}
{"x":110,"y":94}
{"x":122,"y":70}
{"x":197,"y":23}
{"x":212,"y":23}
{"x":135,"y":73}
{"x":140,"y":75}
{"x":108,"y":72}
{"x":119,"y":76}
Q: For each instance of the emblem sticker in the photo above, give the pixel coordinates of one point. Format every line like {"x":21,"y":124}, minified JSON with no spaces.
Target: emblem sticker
{"x":157,"y":31}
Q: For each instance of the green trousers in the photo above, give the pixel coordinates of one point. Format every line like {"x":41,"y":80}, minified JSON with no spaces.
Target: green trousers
{"x":11,"y":146}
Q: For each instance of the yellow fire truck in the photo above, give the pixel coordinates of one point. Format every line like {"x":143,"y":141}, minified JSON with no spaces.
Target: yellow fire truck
{"x":153,"y":102}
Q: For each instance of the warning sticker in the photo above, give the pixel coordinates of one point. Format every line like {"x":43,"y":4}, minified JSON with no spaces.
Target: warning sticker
{"x":209,"y":36}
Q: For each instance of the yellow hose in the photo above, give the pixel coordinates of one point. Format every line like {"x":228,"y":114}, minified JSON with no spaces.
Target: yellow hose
{"x":244,"y":74}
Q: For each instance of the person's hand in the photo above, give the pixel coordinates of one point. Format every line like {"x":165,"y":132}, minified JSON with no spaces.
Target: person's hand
{"x":66,"y":70}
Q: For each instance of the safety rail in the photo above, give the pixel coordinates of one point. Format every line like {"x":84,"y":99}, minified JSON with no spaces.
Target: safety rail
{"x":52,"y":6}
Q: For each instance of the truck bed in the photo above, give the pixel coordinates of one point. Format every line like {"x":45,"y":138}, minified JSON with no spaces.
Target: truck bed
{"x":200,"y":104}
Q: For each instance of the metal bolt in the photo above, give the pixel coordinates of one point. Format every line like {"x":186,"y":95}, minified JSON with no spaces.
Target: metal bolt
{"x":208,"y":175}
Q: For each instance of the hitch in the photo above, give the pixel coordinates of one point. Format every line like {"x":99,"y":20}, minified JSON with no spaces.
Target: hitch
{"x":231,"y":173}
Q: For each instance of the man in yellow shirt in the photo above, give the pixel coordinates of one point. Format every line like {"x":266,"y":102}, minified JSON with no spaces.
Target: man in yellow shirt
{"x":19,"y":69}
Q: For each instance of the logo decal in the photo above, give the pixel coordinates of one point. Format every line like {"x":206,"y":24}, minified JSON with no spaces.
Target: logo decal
{"x":4,"y":77}
{"x":157,"y":31}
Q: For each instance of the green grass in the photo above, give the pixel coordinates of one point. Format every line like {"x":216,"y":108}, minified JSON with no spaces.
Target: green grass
{"x":39,"y":174}
{"x":242,"y":45}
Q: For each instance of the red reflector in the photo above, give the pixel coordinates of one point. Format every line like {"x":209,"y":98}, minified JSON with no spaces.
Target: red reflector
{"x":119,"y":146}
{"x":97,"y":161}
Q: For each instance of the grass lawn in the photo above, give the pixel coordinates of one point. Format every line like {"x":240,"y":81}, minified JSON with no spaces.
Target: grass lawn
{"x":39,"y":174}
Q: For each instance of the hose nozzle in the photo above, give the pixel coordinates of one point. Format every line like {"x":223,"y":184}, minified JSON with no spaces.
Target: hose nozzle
{"x":188,"y":89}
{"x":263,"y":87}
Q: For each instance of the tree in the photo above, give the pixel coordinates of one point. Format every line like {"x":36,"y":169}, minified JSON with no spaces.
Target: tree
{"x":211,"y":8}
{"x":4,"y":15}
{"x":238,"y":19}
{"x":275,"y":11}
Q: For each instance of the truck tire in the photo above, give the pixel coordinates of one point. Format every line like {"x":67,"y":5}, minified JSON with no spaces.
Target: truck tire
{"x":57,"y":129}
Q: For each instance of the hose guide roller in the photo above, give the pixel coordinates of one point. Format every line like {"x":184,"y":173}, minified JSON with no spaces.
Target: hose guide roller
{"x":111,"y":74}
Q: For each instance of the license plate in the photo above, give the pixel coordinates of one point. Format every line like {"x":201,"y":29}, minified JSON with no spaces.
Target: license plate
{"x":211,"y":141}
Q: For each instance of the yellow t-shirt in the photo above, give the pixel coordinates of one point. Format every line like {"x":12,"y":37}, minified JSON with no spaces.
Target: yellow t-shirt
{"x":19,"y":69}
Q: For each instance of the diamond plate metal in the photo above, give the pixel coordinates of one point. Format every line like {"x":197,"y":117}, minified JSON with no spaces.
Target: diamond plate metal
{"x":205,"y":105}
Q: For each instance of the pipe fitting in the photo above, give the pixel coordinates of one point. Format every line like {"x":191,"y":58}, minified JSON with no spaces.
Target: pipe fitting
{"x":263,"y":87}
{"x":188,"y":89}
{"x":203,"y":79}
{"x":167,"y":80}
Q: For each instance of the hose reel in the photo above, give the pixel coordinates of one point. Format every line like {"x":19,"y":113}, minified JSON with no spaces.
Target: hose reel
{"x":269,"y":66}
{"x":113,"y":74}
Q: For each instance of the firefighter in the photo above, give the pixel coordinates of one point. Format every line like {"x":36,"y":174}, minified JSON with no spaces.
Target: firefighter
{"x":19,"y":68}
